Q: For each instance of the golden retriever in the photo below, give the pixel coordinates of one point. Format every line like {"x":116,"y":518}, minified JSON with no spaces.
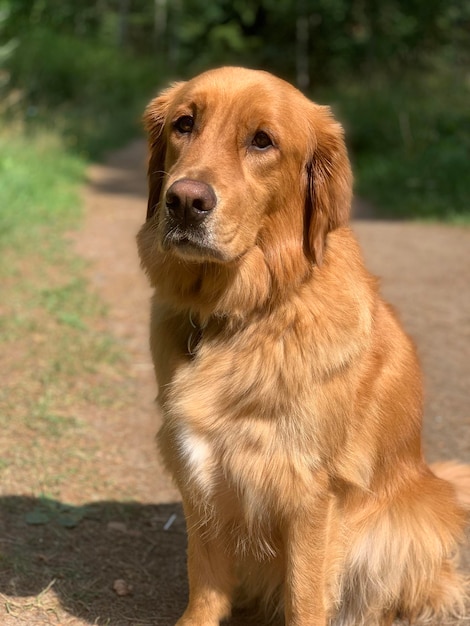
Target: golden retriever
{"x":291,"y":396}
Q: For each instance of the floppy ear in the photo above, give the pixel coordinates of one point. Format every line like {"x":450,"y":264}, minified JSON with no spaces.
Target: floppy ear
{"x":154,"y":119}
{"x":329,"y":185}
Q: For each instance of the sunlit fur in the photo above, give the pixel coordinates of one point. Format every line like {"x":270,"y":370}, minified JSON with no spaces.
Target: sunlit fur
{"x":294,"y":430}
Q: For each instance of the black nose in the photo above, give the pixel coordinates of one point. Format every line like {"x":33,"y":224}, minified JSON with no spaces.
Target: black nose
{"x":190,"y":201}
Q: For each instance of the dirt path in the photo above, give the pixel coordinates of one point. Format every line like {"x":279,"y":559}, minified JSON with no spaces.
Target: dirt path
{"x":426,"y":274}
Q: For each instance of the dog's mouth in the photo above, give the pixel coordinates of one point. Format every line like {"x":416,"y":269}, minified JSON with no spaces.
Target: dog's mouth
{"x":191,"y":244}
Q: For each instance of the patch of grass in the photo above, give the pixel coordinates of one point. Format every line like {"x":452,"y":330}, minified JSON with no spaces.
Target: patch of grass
{"x":410,"y":142}
{"x":57,"y":363}
{"x":39,"y":183}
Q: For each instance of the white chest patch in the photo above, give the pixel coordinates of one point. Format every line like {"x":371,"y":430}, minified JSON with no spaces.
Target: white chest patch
{"x":197,"y":454}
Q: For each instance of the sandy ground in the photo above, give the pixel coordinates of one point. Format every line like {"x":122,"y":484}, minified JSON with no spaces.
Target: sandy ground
{"x":425,"y":272}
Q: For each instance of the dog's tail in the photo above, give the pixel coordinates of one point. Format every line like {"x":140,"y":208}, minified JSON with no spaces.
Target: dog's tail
{"x":458,"y":475}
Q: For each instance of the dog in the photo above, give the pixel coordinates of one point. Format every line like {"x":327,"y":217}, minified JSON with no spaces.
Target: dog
{"x":291,"y":395}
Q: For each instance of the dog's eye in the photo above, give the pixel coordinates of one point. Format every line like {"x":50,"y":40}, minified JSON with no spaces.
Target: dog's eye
{"x":184,"y":124}
{"x":261,"y":140}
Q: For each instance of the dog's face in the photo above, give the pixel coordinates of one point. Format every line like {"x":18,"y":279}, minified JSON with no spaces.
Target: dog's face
{"x":240,"y":159}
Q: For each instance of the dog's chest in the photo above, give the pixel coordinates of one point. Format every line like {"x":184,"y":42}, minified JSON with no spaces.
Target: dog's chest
{"x":241,"y":469}
{"x":238,"y":437}
{"x":198,"y":457}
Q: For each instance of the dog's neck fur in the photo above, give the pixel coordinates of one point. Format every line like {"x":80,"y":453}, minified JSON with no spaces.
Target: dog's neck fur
{"x":235,"y":304}
{"x":228,"y":291}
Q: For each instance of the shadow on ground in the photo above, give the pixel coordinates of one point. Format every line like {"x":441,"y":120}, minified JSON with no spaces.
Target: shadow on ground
{"x":82,"y":551}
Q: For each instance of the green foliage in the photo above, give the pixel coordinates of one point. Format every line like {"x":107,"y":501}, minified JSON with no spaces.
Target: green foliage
{"x":410,"y":143}
{"x":225,"y":33}
{"x":345,"y":36}
{"x":358,"y":36}
{"x":399,"y":68}
{"x":54,"y":68}
{"x":92,"y":94}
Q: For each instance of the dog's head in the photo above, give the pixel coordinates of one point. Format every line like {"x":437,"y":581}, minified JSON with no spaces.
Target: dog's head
{"x":241,"y":161}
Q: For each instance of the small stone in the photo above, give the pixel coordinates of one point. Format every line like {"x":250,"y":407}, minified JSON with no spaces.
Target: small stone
{"x":119,"y":526}
{"x":122,"y":587}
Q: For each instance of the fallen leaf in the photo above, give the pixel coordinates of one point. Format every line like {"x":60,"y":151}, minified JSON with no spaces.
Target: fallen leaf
{"x":37,"y":517}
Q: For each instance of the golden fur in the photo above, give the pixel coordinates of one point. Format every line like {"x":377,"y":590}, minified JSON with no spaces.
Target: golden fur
{"x":293,"y":428}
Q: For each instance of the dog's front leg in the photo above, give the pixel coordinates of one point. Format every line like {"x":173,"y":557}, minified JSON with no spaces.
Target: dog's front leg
{"x":211,"y":575}
{"x":305,"y":584}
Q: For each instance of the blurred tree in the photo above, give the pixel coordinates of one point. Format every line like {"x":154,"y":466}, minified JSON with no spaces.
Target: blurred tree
{"x":90,"y":65}
{"x":123,"y":23}
{"x":7,"y":48}
{"x":302,"y":38}
{"x":160,"y":24}
{"x":314,"y":41}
